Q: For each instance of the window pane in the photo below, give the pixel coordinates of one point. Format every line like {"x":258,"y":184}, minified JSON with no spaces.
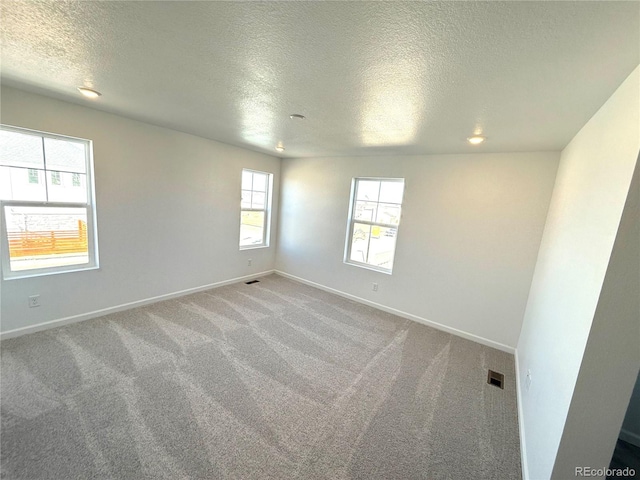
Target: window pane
{"x":55,"y":178}
{"x":254,"y":197}
{"x":389,"y":214}
{"x":251,"y":228}
{"x":360,"y":242}
{"x":382,"y":247}
{"x":391,"y":192}
{"x":365,"y":211}
{"x":246,"y":199}
{"x":42,"y":237}
{"x":368,"y":190}
{"x":65,"y":155}
{"x":379,"y":203}
{"x":34,"y":176}
{"x":61,"y":189}
{"x":260,"y":182}
{"x":247,"y":180}
{"x":258,"y":200}
{"x":20,"y":150}
{"x":15,"y":184}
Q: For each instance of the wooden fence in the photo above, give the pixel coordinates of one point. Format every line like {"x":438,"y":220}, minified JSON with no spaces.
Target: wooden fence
{"x":30,"y":244}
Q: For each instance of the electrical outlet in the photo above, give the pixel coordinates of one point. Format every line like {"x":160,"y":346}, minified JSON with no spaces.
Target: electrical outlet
{"x":374,"y":287}
{"x":249,"y":262}
{"x":528,"y":379}
{"x":34,"y":301}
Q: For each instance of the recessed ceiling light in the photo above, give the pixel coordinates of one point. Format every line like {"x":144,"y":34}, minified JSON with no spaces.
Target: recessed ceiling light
{"x":88,"y":92}
{"x":476,"y":139}
{"x":280,"y":148}
{"x":297,"y":116}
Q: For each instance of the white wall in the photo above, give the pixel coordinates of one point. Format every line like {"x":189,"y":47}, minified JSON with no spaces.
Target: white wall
{"x":168,"y":213}
{"x":631,"y":426}
{"x":467,"y":242}
{"x":591,"y":188}
{"x":611,"y":358}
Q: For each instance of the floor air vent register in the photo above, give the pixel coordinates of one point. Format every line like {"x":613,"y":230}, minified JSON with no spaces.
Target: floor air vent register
{"x":496,"y":379}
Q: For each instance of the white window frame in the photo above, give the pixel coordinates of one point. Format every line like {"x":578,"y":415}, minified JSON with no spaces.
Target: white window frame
{"x":89,"y":206}
{"x":266,"y":231}
{"x":352,"y":221}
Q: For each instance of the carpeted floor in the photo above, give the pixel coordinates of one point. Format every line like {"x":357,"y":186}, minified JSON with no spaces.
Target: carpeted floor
{"x":275,"y":380}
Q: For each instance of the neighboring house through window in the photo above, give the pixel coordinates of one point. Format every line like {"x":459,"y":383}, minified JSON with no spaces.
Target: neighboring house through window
{"x":374,"y":218}
{"x":46,"y":227}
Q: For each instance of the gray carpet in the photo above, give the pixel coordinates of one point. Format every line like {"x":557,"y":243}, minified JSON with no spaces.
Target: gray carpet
{"x":272,"y":380}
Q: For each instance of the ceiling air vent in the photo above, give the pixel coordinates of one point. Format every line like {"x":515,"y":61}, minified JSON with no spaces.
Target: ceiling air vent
{"x":496,"y":379}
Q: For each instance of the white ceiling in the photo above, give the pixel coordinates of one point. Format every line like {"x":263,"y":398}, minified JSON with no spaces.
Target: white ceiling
{"x":371,"y":77}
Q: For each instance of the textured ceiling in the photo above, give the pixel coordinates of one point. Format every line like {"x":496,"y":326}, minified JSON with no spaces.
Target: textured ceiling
{"x":371,"y":77}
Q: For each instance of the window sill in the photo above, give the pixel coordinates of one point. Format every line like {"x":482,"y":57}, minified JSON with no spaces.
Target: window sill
{"x":369,"y":267}
{"x":40,"y":273}
{"x":253,"y":247}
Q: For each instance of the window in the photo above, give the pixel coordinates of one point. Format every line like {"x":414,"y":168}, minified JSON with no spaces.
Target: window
{"x":255,"y":209}
{"x":55,"y":178}
{"x":374,"y":218}
{"x":34,"y":177}
{"x":46,"y":227}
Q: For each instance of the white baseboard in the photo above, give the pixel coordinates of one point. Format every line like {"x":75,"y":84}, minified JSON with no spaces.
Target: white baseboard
{"x":630,"y":437}
{"x":400,"y":313}
{"x":523,"y":451}
{"x":125,"y":306}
